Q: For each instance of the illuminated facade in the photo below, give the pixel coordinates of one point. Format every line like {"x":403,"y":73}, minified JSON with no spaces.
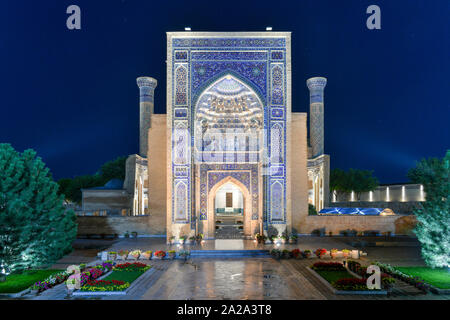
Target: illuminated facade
{"x":229,"y":123}
{"x":229,"y":149}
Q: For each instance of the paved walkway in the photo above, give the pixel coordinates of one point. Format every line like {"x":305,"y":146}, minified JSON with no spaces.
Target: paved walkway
{"x":224,"y":279}
{"x":241,"y":279}
{"x":247,"y":278}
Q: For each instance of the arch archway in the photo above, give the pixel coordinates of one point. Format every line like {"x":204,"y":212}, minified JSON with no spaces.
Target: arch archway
{"x":211,"y":222}
{"x":228,"y":136}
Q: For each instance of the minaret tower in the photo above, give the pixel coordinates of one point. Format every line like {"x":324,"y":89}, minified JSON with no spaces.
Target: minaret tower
{"x":147,"y":87}
{"x":316,"y":86}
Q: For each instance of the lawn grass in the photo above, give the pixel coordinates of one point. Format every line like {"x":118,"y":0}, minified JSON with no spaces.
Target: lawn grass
{"x":17,"y":282}
{"x":332,"y":276}
{"x":127,"y":276}
{"x":439,"y":278}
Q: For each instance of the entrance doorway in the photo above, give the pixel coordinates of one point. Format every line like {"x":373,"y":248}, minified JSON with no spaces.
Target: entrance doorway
{"x":229,"y":212}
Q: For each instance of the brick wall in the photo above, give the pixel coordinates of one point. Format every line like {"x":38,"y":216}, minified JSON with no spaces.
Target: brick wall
{"x":336,"y":224}
{"x":143,"y":225}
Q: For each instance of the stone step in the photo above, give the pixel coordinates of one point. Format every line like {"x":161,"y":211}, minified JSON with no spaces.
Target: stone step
{"x":229,"y":253}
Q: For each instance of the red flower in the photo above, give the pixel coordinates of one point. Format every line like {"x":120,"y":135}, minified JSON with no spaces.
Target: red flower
{"x":160,"y":253}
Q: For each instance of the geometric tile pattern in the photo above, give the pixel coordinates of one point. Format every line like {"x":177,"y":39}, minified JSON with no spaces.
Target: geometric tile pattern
{"x":259,"y":62}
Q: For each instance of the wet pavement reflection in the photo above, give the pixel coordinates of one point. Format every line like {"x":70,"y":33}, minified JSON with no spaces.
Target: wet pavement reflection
{"x":230,"y":279}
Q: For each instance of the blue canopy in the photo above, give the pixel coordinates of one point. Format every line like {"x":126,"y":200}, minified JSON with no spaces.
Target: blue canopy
{"x":358,"y":211}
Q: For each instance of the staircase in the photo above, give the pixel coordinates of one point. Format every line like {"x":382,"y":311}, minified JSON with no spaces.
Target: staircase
{"x":229,"y":227}
{"x":230,"y":254}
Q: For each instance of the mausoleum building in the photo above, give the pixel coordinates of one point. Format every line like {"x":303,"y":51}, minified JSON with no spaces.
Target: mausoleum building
{"x":229,"y":151}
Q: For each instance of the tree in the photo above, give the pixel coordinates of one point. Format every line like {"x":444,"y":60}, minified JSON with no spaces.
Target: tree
{"x":35,"y":229}
{"x":356,"y":180}
{"x":433,"y":216}
{"x":339,"y":184}
{"x":361,"y":181}
{"x":114,"y":169}
{"x":312,"y":210}
{"x":71,"y":188}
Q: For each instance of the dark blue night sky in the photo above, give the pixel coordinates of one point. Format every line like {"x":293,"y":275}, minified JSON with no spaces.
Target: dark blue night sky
{"x":72,"y":95}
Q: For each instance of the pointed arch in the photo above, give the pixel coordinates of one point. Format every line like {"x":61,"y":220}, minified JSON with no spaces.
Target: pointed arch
{"x":201,"y":89}
{"x":247,"y":204}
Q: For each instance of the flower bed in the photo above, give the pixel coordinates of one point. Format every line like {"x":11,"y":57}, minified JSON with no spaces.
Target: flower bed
{"x":120,"y":279}
{"x":51,"y":281}
{"x":93,"y":273}
{"x":328,"y":266}
{"x":350,"y":284}
{"x":402,"y":273}
{"x":386,"y":280}
{"x":342,"y":281}
{"x":331,"y":271}
{"x":105,"y":285}
{"x":136,"y":266}
{"x":20,"y":281}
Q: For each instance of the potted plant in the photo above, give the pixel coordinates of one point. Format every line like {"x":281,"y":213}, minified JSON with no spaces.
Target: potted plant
{"x":134,"y":254}
{"x":283,"y":238}
{"x":199,"y":238}
{"x":123,"y":254}
{"x":306,"y":253}
{"x":134,"y":234}
{"x":159,"y":254}
{"x":275,"y":253}
{"x":345,"y":253}
{"x":146,"y":255}
{"x":293,"y":239}
{"x":320,"y":252}
{"x":171,"y":239}
{"x":171,"y":254}
{"x":296,"y":254}
{"x":334,"y":253}
{"x":388,"y":282}
{"x":112,"y":255}
{"x":192,"y":240}
{"x":182,"y":239}
{"x":260,"y":238}
{"x":285,"y":254}
{"x":273,"y":238}
{"x":183,"y":254}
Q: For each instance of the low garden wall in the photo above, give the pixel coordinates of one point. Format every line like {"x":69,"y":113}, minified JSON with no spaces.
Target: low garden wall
{"x":108,"y":225}
{"x":336,"y":224}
